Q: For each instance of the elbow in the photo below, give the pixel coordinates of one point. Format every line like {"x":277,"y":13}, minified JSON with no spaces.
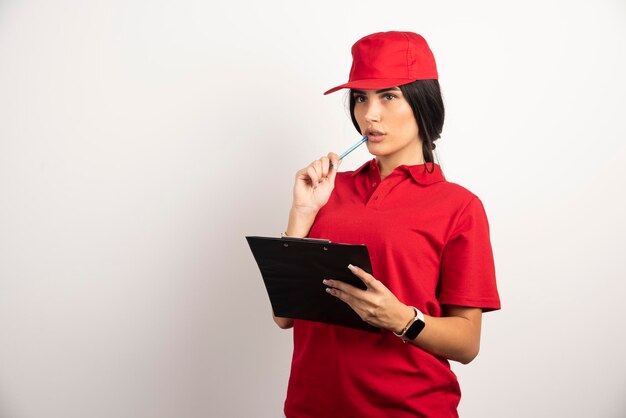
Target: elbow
{"x":470,"y":354}
{"x":283,"y":323}
{"x":467,"y":359}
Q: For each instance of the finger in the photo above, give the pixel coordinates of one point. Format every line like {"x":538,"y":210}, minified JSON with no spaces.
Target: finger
{"x":334,"y":159}
{"x":332,"y":174}
{"x":317,"y":165}
{"x":366,"y":278}
{"x":325,"y":166}
{"x":340,"y":294}
{"x":335,"y":162}
{"x":344,"y":287}
{"x":349,"y":300}
{"x":301,"y":174}
{"x":312,"y":175}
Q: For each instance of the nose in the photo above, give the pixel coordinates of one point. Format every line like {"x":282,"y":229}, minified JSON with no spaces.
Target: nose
{"x":372,"y":113}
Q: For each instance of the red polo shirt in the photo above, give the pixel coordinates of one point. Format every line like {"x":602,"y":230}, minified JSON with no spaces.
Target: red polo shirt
{"x":428,"y":241}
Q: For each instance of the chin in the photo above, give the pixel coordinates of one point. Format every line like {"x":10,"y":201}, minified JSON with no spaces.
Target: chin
{"x":377,"y":150}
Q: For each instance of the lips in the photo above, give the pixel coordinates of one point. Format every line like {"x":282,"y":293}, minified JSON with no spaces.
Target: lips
{"x":375,"y":135}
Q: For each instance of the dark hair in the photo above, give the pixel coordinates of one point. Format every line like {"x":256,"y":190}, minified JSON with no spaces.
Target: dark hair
{"x":424,"y":97}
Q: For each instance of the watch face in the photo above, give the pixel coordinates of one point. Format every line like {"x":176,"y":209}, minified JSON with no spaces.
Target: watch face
{"x":414,"y":330}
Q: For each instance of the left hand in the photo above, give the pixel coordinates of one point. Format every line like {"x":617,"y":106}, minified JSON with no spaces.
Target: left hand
{"x":377,"y":305}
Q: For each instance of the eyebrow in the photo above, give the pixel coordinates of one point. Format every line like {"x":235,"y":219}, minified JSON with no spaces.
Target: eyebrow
{"x":377,"y":91}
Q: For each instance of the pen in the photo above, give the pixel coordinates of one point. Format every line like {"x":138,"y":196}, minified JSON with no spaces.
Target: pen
{"x":352,"y":148}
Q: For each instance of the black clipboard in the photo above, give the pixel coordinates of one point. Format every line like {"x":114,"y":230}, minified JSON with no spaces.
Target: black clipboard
{"x":293,"y":270}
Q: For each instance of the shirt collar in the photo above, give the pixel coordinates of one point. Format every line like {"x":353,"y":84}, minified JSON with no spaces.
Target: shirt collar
{"x":424,"y":174}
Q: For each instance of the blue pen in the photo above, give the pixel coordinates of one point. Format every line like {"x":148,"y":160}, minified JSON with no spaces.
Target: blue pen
{"x":352,"y":148}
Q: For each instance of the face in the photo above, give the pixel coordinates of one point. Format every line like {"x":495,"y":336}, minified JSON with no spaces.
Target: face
{"x":387,"y":119}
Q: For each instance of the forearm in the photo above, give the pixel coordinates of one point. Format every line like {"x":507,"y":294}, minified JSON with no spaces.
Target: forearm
{"x":300,"y":222}
{"x":455,"y":337}
{"x":312,"y":189}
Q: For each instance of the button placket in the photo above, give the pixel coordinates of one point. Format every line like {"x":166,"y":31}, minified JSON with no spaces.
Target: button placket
{"x":376,"y":197}
{"x":375,"y":184}
{"x":384,"y":188}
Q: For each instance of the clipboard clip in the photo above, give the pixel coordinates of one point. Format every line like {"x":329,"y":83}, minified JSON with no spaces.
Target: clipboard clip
{"x":317,"y":240}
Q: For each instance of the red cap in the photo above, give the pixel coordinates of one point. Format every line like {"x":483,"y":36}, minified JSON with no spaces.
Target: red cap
{"x":389,"y":59}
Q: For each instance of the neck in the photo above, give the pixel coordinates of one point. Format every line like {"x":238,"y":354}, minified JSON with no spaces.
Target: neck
{"x":388,"y":163}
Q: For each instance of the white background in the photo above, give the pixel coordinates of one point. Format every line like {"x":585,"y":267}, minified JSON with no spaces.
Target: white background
{"x":140,"y":141}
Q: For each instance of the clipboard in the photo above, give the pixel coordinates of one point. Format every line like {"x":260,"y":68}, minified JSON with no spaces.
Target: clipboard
{"x":293,"y":270}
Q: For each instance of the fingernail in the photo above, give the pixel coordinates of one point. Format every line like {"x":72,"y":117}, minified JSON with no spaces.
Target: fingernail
{"x":351,"y":267}
{"x":329,"y":290}
{"x":325,"y":281}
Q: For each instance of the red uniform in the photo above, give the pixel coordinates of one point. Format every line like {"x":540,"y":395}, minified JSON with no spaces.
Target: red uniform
{"x":429,"y":243}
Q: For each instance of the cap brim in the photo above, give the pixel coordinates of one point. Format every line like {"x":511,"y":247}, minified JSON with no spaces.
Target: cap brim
{"x":372,"y":84}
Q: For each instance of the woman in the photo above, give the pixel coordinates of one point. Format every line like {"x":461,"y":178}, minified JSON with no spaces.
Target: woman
{"x":433,"y":270}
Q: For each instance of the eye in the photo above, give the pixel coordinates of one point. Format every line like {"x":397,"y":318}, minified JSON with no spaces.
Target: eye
{"x":359,"y":98}
{"x":389,"y":96}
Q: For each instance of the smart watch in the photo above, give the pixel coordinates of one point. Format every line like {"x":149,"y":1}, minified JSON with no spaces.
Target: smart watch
{"x":413,"y":328}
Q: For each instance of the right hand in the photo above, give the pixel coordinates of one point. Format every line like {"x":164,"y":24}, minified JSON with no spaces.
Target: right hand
{"x":315,"y":183}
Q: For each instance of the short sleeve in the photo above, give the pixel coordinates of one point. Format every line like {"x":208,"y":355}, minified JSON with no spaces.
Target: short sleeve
{"x":467,"y":276}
